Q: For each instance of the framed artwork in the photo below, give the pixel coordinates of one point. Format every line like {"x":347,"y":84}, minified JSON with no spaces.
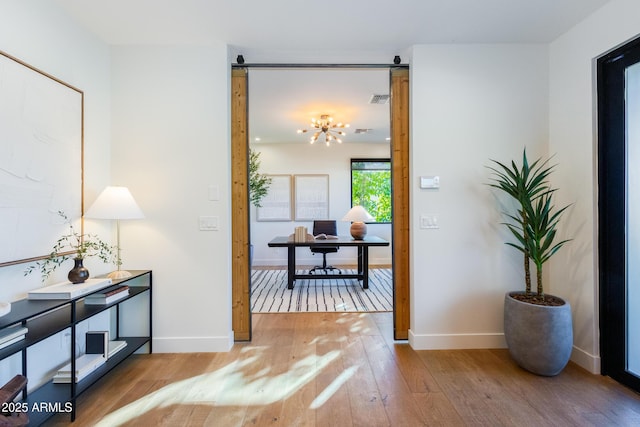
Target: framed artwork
{"x":41,"y":143}
{"x":311,"y":197}
{"x":276,"y":205}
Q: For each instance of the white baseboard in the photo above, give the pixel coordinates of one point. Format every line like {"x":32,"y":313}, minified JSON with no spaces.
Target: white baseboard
{"x":456,"y":341}
{"x":580,"y":357}
{"x":588,"y":361}
{"x":192,"y":344}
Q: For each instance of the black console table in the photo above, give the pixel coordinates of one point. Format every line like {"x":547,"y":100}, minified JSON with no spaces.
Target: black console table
{"x":46,"y":318}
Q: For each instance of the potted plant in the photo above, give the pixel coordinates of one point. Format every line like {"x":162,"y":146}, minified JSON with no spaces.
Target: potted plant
{"x":537,"y":326}
{"x":258,"y":183}
{"x":258,"y":186}
{"x":77,"y":246}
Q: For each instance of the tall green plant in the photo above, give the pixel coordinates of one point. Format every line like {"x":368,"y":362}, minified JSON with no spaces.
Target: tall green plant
{"x":534,"y":224}
{"x":258,"y":183}
{"x":540,"y":232}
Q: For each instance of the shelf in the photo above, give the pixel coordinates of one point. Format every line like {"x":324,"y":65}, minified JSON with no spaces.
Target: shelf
{"x":26,"y":309}
{"x":55,"y":393}
{"x":84,"y":311}
{"x":45,"y":318}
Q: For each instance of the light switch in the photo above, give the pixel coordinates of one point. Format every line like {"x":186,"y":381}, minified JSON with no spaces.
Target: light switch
{"x":208,"y":223}
{"x":429,"y":222}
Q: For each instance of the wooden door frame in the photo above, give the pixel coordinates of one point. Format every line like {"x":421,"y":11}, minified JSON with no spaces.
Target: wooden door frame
{"x":400,"y":184}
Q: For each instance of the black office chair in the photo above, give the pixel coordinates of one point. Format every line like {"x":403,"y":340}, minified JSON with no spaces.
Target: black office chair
{"x":329,"y":228}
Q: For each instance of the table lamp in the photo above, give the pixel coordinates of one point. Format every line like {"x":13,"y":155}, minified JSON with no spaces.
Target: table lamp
{"x":358,"y":215}
{"x":115,"y":203}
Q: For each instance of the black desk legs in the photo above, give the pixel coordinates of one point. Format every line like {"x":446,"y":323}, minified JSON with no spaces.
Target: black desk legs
{"x":291,"y":266}
{"x":363,"y":268}
{"x":363,"y":265}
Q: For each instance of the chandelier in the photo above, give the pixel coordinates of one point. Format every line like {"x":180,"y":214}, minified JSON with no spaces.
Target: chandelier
{"x":325,"y":125}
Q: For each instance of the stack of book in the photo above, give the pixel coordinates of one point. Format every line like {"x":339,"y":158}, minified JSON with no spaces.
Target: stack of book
{"x":12,"y":335}
{"x":98,"y":349}
{"x":300,"y":234}
{"x":85,"y":364}
{"x":108,"y":296}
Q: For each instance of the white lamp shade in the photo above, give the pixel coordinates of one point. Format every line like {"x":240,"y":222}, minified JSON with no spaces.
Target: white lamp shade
{"x":357,"y":214}
{"x":114,"y":203}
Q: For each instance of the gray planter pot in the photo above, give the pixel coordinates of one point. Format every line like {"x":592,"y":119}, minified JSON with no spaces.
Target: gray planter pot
{"x":540,"y":338}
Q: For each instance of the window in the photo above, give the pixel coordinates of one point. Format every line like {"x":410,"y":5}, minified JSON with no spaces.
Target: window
{"x":371,"y":187}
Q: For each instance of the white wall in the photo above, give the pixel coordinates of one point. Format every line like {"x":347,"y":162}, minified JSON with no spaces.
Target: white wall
{"x":37,"y":33}
{"x":469,"y":103}
{"x":304,"y":158}
{"x":168,"y":122}
{"x":170,"y":143}
{"x":572,"y":138}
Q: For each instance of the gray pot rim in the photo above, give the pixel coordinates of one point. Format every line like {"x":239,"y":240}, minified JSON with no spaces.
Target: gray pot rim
{"x":565,"y":302}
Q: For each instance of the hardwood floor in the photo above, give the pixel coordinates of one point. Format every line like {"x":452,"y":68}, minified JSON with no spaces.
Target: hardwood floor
{"x":344,"y":369}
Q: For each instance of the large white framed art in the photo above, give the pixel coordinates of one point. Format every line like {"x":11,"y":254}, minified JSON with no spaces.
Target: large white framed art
{"x":41,"y":149}
{"x":276,"y":204}
{"x":311,"y":197}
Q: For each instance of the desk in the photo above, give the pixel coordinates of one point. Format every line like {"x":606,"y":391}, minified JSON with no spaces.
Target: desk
{"x":363,"y":256}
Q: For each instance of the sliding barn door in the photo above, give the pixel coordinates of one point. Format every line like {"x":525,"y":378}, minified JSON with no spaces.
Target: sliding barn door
{"x":400,"y":180}
{"x":240,"y":268}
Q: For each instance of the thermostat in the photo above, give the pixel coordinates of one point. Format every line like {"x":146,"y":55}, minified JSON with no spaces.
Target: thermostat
{"x":429,"y":182}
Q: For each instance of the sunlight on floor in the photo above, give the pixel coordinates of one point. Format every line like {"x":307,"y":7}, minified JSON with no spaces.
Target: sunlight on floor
{"x":233,"y":385}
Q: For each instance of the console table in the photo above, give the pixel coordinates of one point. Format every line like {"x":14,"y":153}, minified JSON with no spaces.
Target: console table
{"x":363,"y":256}
{"x":46,"y":318}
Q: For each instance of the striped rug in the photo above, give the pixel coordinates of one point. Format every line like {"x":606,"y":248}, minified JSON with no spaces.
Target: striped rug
{"x":269,"y":293}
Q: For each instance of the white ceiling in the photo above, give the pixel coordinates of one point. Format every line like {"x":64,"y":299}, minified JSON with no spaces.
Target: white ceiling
{"x":282,"y":101}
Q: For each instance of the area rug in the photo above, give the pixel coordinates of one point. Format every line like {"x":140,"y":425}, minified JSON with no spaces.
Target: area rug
{"x":269,"y":293}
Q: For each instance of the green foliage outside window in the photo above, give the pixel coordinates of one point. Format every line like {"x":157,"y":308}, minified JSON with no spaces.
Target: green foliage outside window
{"x":371,"y":187}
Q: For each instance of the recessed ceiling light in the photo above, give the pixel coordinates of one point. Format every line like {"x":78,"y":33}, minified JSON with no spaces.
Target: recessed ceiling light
{"x":257,"y":140}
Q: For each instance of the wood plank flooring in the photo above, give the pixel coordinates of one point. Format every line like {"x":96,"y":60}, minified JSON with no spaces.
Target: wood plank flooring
{"x":344,"y":369}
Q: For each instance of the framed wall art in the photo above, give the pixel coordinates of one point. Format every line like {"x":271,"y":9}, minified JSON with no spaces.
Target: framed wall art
{"x":311,"y":197}
{"x":41,"y":148}
{"x":276,"y":205}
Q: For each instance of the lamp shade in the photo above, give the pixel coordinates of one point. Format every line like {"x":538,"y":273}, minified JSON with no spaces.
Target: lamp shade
{"x":357,"y":214}
{"x":114,"y":203}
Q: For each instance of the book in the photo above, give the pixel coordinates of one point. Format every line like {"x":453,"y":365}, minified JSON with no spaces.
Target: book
{"x":11,"y":341}
{"x":323,"y":236}
{"x":8,"y":334}
{"x":97,"y":342}
{"x":115,"y":346}
{"x":85,"y":364}
{"x":68,"y":290}
{"x":107,"y":297}
{"x":300,"y":234}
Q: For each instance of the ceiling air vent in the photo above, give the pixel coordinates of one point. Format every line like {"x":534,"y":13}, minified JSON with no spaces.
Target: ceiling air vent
{"x":379,"y":99}
{"x":362,"y":130}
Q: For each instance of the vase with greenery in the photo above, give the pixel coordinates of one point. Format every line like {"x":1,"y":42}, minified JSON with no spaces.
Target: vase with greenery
{"x":538,"y":327}
{"x":258,"y":182}
{"x":77,"y":246}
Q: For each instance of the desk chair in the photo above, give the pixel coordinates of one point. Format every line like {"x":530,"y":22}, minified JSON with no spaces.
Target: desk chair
{"x":327,"y":227}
